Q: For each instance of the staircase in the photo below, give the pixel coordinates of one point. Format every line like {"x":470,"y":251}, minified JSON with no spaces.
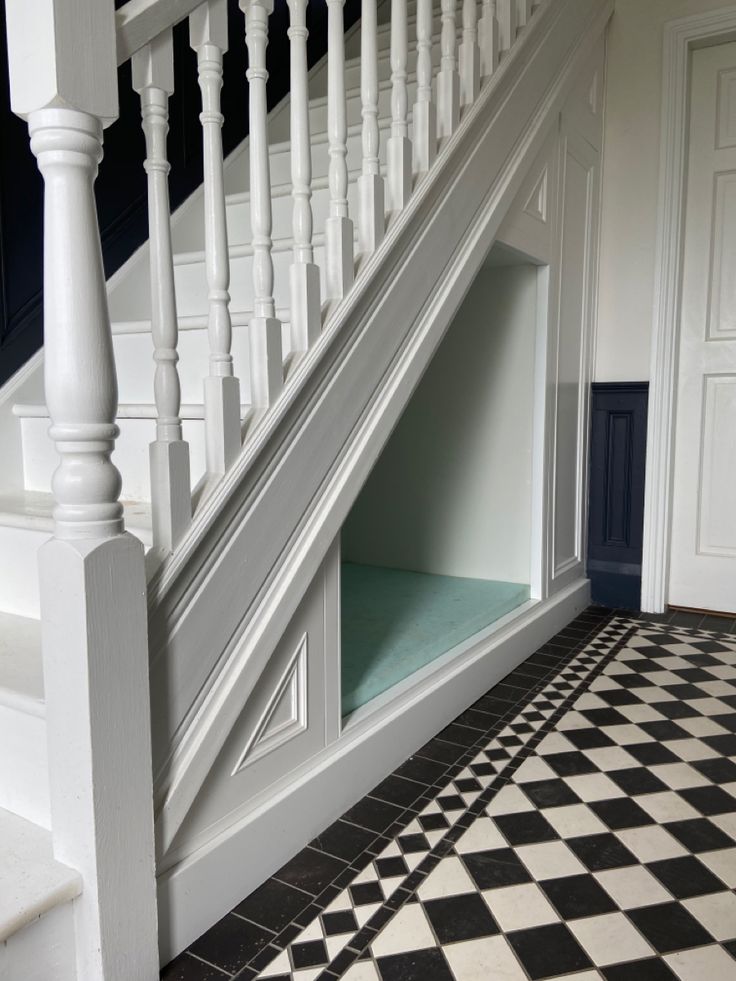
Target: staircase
{"x":375,"y":188}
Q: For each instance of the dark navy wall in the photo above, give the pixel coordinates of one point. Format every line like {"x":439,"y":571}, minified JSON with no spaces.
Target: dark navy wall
{"x":121,"y":186}
{"x":616,"y":502}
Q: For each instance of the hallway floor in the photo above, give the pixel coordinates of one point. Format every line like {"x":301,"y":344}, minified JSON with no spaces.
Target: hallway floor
{"x":578,"y":821}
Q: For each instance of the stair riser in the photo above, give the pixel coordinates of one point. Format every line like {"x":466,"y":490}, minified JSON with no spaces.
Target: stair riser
{"x":24,"y":779}
{"x":318,"y":113}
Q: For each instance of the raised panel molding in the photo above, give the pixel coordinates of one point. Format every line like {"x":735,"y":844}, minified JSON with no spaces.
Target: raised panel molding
{"x":726,"y":109}
{"x":722,"y":299}
{"x":716,"y":512}
{"x":536,"y":204}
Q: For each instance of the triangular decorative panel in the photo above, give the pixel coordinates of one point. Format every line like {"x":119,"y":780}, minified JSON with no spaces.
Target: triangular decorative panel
{"x":285,"y":714}
{"x":536,"y":205}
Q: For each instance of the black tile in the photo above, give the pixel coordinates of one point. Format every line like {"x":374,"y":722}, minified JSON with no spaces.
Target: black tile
{"x":345,"y":841}
{"x":677,"y":710}
{"x":620,"y":812}
{"x":685,"y":877}
{"x":467,"y":785}
{"x":186,"y":968}
{"x":525,"y":828}
{"x":668,"y":927}
{"x":618,"y":696}
{"x":682,"y":618}
{"x":578,"y":895}
{"x":727,"y":721}
{"x":730,"y":946}
{"x":725,"y":744}
{"x":441,"y":751}
{"x":709,"y":800}
{"x":664,"y":729}
{"x":273,"y":905}
{"x":497,"y":707}
{"x":589,"y":738}
{"x":637,"y":780}
{"x":633,"y":680}
{"x":231,"y":943}
{"x":549,"y":793}
{"x":495,"y":868}
{"x":717,"y":770}
{"x":509,"y":693}
{"x":464,"y":917}
{"x":649,"y":969}
{"x":606,"y":716}
{"x":396,"y":790}
{"x":392,"y":866}
{"x":312,"y":953}
{"x":310,"y":870}
{"x":451,"y":802}
{"x":650,"y":754}
{"x":424,"y":771}
{"x":411,"y":844}
{"x":461,"y":735}
{"x":699,"y":835}
{"x":570,"y":764}
{"x":375,"y":815}
{"x":364,"y":893}
{"x":341,"y":921}
{"x":476,"y":719}
{"x":548,"y":950}
{"x":433,"y":822}
{"x":602,"y":851}
{"x":418,"y":965}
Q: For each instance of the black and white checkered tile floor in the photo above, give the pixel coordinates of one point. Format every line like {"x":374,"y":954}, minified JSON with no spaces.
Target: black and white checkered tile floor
{"x":579,"y":821}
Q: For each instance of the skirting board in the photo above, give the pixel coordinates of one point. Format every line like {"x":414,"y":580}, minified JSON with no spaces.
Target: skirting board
{"x":203,"y":887}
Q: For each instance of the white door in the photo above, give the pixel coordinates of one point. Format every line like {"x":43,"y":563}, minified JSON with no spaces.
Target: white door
{"x":703,"y":539}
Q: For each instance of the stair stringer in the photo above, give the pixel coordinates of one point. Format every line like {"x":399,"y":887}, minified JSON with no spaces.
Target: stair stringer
{"x":219,"y":606}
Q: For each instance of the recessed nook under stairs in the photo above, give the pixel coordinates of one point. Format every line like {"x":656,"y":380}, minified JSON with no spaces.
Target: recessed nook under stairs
{"x":443,"y":540}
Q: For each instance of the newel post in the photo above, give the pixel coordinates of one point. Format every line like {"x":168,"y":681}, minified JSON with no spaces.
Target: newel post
{"x":93,"y":586}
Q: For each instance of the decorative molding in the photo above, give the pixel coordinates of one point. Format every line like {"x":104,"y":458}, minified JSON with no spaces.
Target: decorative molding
{"x":536,"y":203}
{"x":680,"y":36}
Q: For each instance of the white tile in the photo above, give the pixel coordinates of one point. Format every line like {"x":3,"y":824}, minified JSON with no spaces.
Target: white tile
{"x":589,"y":701}
{"x":585,"y":976}
{"x":611,"y":758}
{"x":389,"y":886}
{"x":726,"y":822}
{"x":368,"y":874}
{"x":573,"y":720}
{"x":279,"y":965}
{"x":336,"y":942}
{"x":574,"y":820}
{"x":723,"y":864}
{"x":341,"y":902}
{"x":730,"y":788}
{"x":554,"y":742}
{"x":662,"y":678}
{"x":364,"y":913}
{"x":482,"y":835}
{"x":604,"y":938}
{"x":509,"y":800}
{"x":651,"y":844}
{"x":691,"y":749}
{"x":625,"y":734}
{"x":698,"y":726}
{"x":549,"y":860}
{"x":594,"y":786}
{"x":481,"y":960}
{"x":716,"y":688}
{"x":408,"y":930}
{"x":654,"y":695}
{"x":308,"y":975}
{"x":449,"y":878}
{"x":710,"y":706}
{"x":679,"y":775}
{"x":723,"y":671}
{"x":518,"y":907}
{"x":534,"y":768}
{"x":311,"y":932}
{"x":633,"y":886}
{"x":711,"y":962}
{"x":391,"y":850}
{"x":667,"y":806}
{"x":717,"y":913}
{"x":640,"y":713}
{"x":361,"y":971}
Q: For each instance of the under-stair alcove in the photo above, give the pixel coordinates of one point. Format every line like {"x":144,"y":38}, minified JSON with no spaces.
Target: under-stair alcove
{"x":443,"y":542}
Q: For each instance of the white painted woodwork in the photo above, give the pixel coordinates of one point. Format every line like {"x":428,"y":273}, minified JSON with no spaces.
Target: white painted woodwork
{"x":153,"y":79}
{"x":425,"y":112}
{"x":306,"y":305}
{"x":339,"y":268}
{"x":266,"y":368}
{"x":371,"y":210}
{"x":469,"y":55}
{"x":507,"y":14}
{"x":448,"y":80}
{"x":703,"y":542}
{"x":399,"y":145}
{"x":139,"y":22}
{"x":208,"y":37}
{"x":523,"y":13}
{"x":43,"y":949}
{"x":488,"y":39}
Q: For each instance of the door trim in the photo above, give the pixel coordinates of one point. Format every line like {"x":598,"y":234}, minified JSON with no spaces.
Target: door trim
{"x":680,"y":37}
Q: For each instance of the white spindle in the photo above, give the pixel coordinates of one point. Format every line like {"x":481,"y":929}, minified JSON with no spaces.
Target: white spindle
{"x":208,"y":37}
{"x":153,"y":79}
{"x":339,"y":270}
{"x":399,"y":145}
{"x":266,"y":361}
{"x":523,"y":13}
{"x":506,"y":11}
{"x":371,"y":218}
{"x":448,"y":81}
{"x":469,"y":55}
{"x":488,"y":38}
{"x":306,"y":307}
{"x":424,"y":114}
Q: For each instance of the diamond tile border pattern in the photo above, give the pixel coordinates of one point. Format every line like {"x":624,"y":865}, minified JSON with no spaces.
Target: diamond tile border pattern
{"x":581,"y":809}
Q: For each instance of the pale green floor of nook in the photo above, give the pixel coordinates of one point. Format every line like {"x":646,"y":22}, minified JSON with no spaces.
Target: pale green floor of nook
{"x":394,"y":622}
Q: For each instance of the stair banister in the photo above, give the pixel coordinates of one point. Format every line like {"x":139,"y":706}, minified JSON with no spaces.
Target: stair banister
{"x":523,"y":13}
{"x":448,"y":80}
{"x":506,"y":12}
{"x":92,"y":578}
{"x":488,"y":39}
{"x":399,"y":146}
{"x":339,"y":268}
{"x":424,"y":113}
{"x":153,"y":79}
{"x":469,"y":55}
{"x":304,"y":284}
{"x":371,"y":218}
{"x":208,"y":37}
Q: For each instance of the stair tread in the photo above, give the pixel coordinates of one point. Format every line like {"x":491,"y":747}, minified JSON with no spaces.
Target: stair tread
{"x":21,"y":667}
{"x":34,"y":510}
{"x":32,"y":882}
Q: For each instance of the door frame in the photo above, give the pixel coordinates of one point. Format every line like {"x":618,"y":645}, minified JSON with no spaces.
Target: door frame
{"x":681,"y":36}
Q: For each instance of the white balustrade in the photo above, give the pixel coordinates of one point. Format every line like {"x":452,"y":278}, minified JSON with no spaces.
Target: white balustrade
{"x":424,"y":112}
{"x":399,"y":145}
{"x":306,"y":307}
{"x":506,"y":12}
{"x":208,"y":37}
{"x":523,"y":13}
{"x":339,"y":268}
{"x":153,"y":79}
{"x":469,"y":55}
{"x":448,"y":80}
{"x":266,"y":359}
{"x":371,"y":216}
{"x":488,"y":39}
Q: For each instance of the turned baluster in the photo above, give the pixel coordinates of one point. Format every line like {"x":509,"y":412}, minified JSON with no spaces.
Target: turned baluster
{"x":153,"y":79}
{"x":488,"y":39}
{"x":424,"y":113}
{"x":306,"y":308}
{"x":371,"y":217}
{"x":208,"y":37}
{"x":339,"y":269}
{"x":469,"y":55}
{"x":506,"y":12}
{"x":266,"y":360}
{"x":399,"y":145}
{"x":523,"y":13}
{"x":448,"y":81}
